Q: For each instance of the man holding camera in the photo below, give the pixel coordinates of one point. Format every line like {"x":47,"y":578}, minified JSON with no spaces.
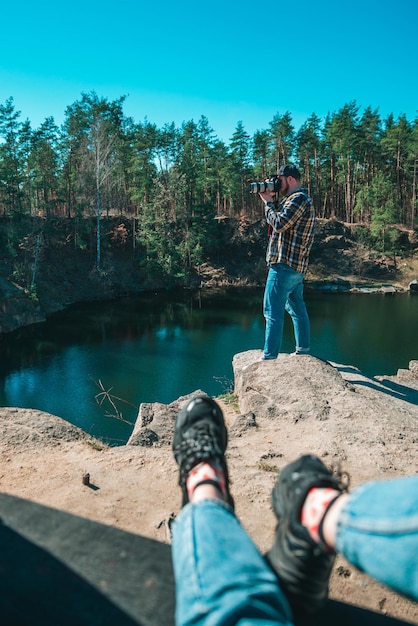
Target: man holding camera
{"x":291,"y":225}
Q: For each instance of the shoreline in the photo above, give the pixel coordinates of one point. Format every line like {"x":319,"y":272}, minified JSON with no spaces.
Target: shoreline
{"x":337,"y":285}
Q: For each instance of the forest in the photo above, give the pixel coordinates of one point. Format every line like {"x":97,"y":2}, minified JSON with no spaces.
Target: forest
{"x":171,"y":184}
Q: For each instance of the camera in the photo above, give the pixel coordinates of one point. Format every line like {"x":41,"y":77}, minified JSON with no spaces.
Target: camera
{"x":272,"y":185}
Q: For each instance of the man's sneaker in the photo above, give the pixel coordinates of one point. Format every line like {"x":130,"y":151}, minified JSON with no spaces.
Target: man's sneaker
{"x":301,"y":565}
{"x":200,"y":436}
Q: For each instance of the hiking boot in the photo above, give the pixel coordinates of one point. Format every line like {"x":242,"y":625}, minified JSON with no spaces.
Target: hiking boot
{"x":302,"y":566}
{"x":200,"y":436}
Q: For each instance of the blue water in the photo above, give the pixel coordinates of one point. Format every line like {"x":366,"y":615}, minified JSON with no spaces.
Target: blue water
{"x":157,"y":347}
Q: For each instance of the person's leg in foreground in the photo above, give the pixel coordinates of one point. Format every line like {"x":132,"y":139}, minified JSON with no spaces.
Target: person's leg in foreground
{"x":375,"y":528}
{"x":284,"y":291}
{"x":221,"y":578}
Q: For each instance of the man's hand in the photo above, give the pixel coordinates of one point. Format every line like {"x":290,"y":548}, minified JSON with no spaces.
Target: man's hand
{"x":267,"y":196}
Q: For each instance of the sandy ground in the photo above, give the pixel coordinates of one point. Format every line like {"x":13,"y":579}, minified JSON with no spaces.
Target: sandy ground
{"x":135,"y":488}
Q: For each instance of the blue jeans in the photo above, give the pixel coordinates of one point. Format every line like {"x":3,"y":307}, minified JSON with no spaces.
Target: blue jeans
{"x":378,"y":532}
{"x":223,"y":580}
{"x":284,"y":291}
{"x":221,"y":577}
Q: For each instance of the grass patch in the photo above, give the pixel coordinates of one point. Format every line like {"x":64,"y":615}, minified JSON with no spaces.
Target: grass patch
{"x":267,"y":467}
{"x":95,"y":445}
{"x":231,"y":399}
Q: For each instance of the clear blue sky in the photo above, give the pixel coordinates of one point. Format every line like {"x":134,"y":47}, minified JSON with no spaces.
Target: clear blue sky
{"x":228,"y":60}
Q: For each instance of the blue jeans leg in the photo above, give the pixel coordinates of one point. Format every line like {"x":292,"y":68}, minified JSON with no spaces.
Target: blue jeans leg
{"x":221,"y":577}
{"x":284,"y":291}
{"x":378,"y":532}
{"x":296,"y":308}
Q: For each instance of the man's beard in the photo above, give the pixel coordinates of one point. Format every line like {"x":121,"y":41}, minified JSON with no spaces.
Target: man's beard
{"x":284,"y":190}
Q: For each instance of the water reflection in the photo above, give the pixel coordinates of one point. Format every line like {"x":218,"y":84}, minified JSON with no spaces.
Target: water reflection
{"x":157,"y":347}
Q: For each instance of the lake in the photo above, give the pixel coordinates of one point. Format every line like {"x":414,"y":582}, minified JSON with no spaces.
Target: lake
{"x":96,"y":361}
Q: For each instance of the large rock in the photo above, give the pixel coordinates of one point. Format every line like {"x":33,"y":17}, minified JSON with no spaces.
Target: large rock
{"x":292,"y":387}
{"x":155,"y":423}
{"x":29,"y":427}
{"x":302,"y":404}
{"x":411,"y":374}
{"x":334,"y":409}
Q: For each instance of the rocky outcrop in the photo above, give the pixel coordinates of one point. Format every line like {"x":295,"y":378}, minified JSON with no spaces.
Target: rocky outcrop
{"x":28,"y":427}
{"x":334,"y":407}
{"x":411,"y":374}
{"x":155,"y":422}
{"x":332,"y":410}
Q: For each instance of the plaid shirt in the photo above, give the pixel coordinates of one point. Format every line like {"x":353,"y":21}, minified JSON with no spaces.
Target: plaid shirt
{"x":292,"y":224}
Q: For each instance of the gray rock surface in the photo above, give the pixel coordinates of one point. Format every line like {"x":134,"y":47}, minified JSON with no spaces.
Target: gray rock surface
{"x":155,"y":422}
{"x":20,"y":427}
{"x":336,"y":410}
{"x":305,"y":404}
